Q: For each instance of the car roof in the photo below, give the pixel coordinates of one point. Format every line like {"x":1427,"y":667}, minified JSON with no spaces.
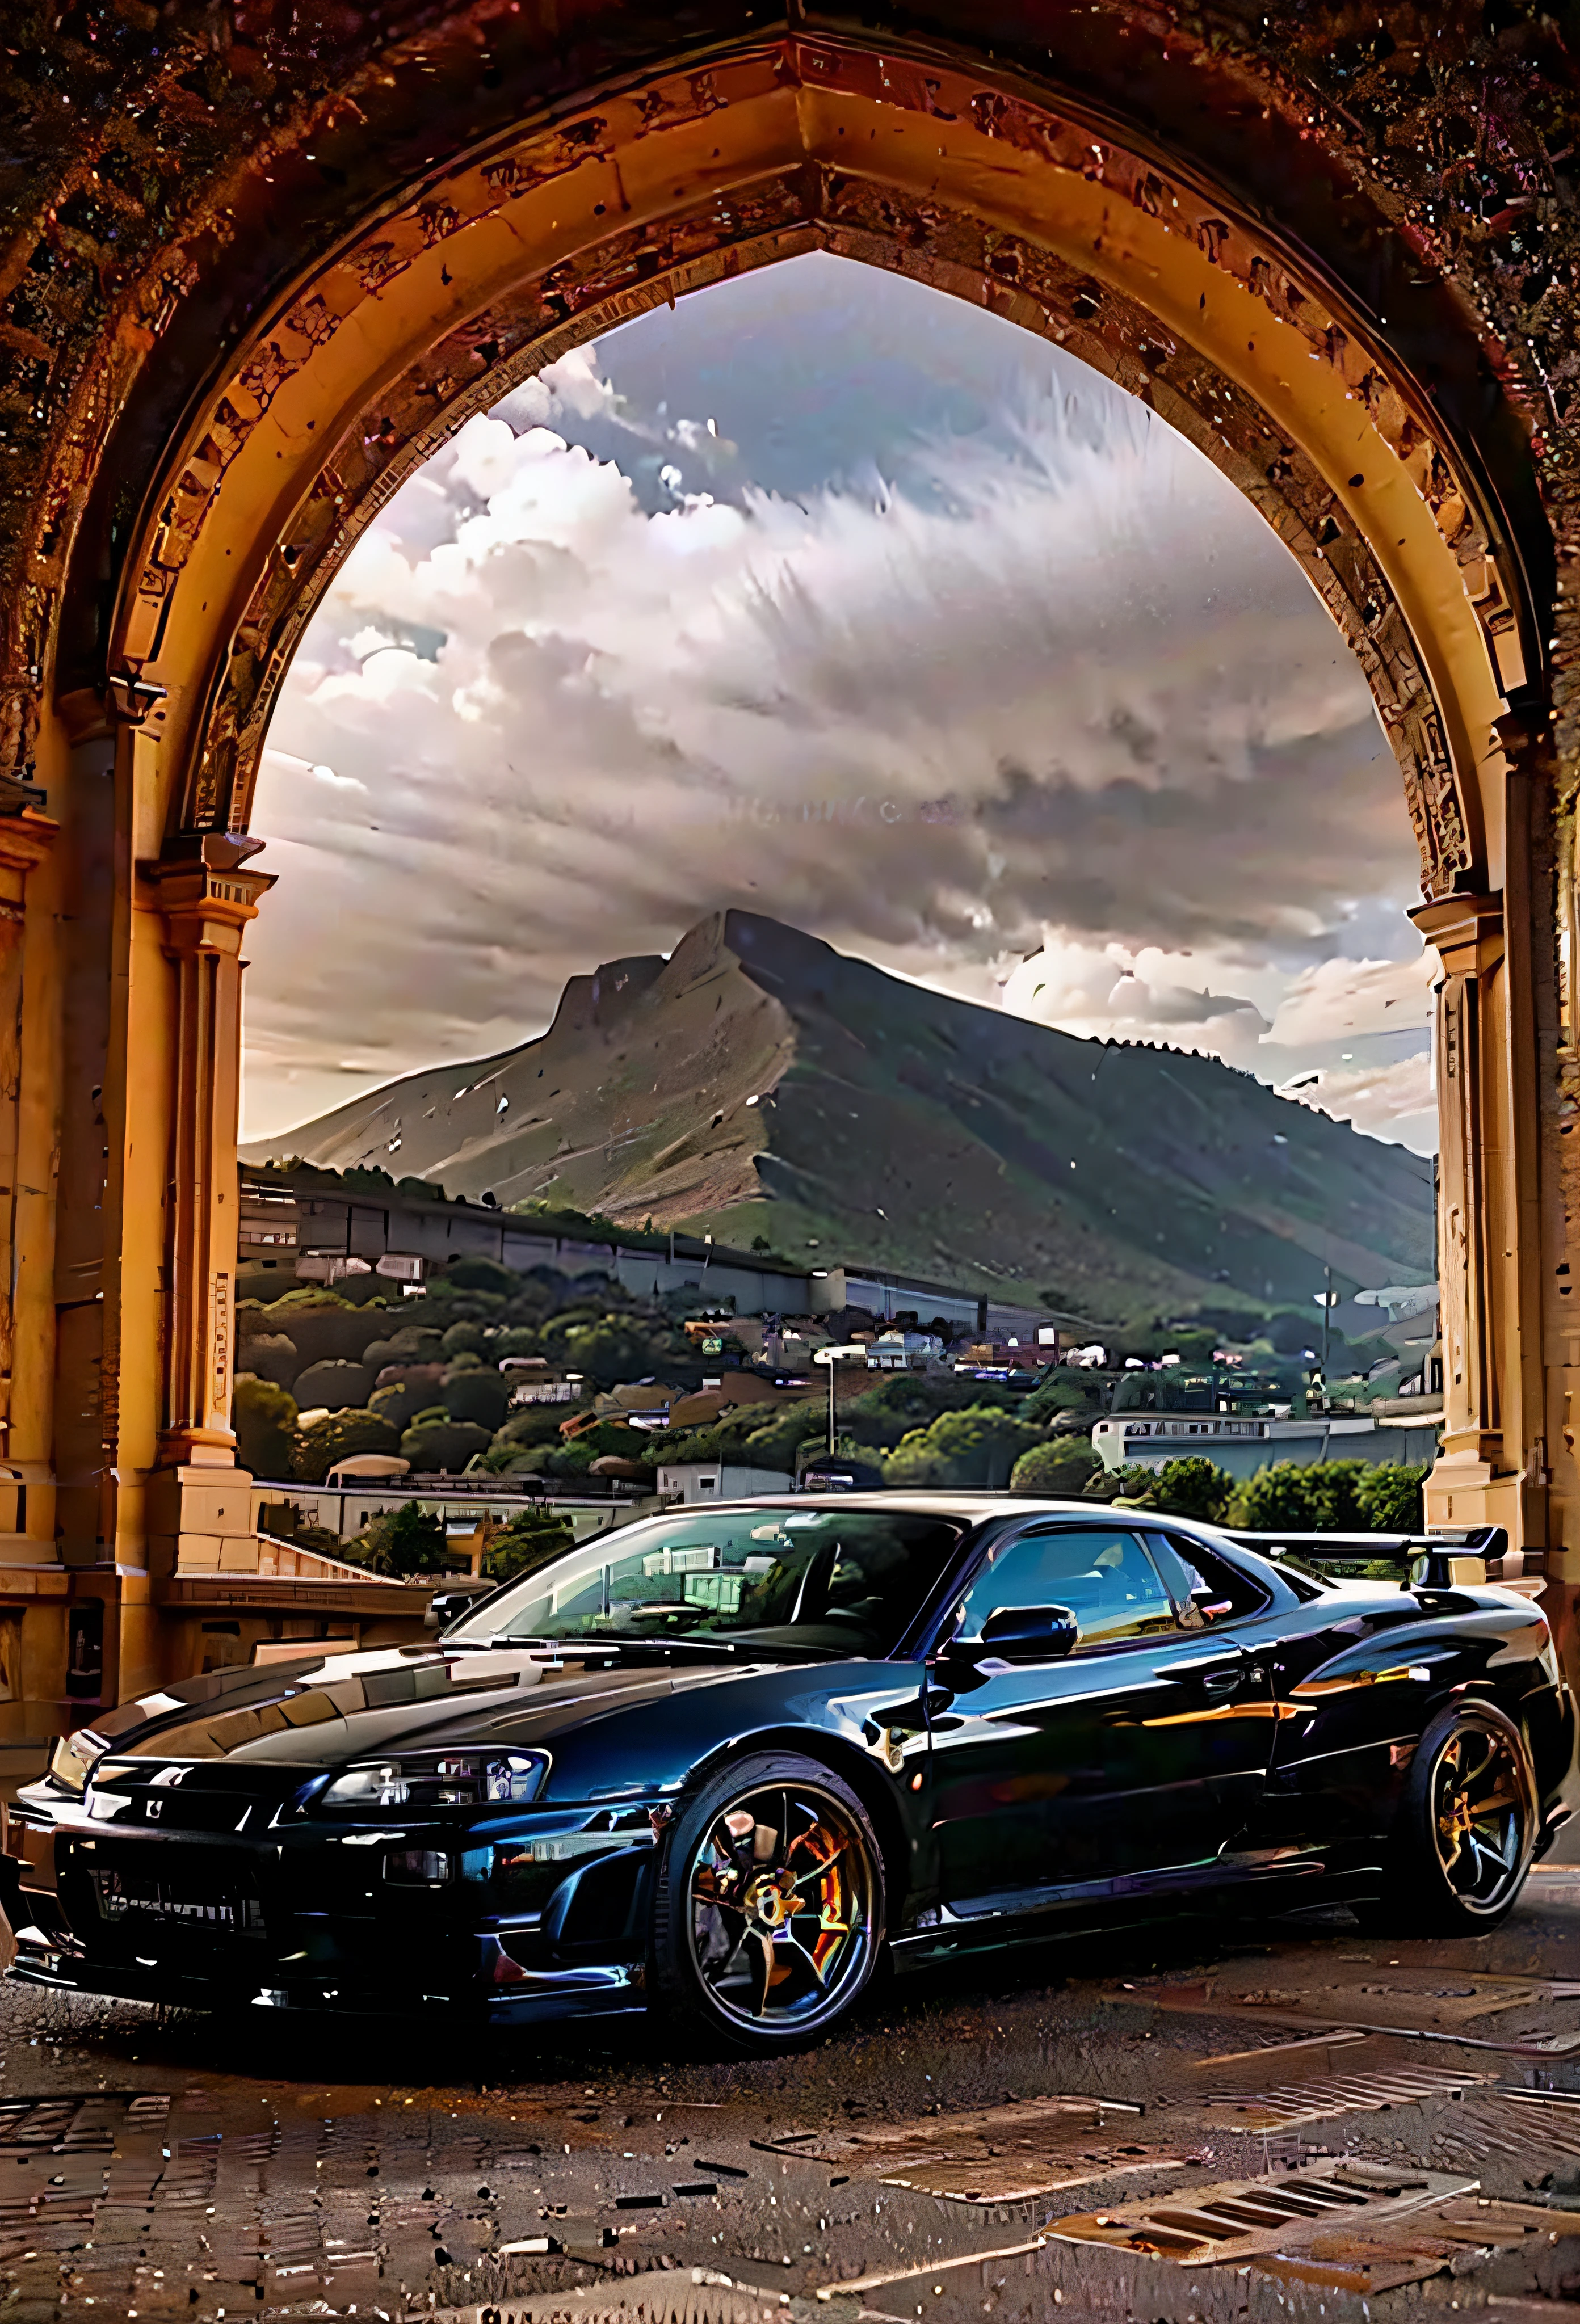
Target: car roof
{"x":973,"y":1508}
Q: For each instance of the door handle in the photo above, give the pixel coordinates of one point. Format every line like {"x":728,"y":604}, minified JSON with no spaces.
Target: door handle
{"x":1215,"y":1676}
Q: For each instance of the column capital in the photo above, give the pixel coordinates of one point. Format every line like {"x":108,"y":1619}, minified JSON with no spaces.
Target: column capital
{"x":1467,"y":931}
{"x":205,"y":889}
{"x":25,"y":839}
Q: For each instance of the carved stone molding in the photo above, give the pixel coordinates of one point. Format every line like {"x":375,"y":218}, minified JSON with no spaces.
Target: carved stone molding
{"x":208,"y":895}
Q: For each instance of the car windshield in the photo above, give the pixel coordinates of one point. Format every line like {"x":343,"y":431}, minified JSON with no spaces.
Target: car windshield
{"x":829,"y":1582}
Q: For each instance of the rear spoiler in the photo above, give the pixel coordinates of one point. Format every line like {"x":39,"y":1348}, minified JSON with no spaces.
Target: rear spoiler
{"x":1456,"y":1558}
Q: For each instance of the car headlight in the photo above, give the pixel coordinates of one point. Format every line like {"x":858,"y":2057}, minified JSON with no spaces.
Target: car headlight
{"x":75,"y":1756}
{"x":440,"y":1779}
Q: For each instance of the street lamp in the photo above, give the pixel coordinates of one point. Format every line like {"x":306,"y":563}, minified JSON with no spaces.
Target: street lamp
{"x":830,"y":1357}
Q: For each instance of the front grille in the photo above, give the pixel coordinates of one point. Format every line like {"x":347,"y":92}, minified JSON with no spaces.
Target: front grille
{"x":131,"y":1899}
{"x":184,"y":1901}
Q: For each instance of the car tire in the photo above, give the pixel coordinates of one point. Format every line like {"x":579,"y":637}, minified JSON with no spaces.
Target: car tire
{"x":768,"y":1913}
{"x":1465,"y":1830}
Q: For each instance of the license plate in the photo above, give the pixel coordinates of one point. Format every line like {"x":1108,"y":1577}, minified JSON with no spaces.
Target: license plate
{"x":124,"y":1896}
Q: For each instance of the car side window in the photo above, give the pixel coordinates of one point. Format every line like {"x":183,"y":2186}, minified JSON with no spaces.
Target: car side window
{"x":1101,"y":1573}
{"x":1216,"y":1592}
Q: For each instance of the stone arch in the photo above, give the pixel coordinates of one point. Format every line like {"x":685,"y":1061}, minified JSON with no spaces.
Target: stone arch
{"x":975,"y":189}
{"x":213,"y":373}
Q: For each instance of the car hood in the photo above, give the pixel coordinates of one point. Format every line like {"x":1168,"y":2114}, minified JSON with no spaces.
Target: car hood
{"x":328,"y":1710}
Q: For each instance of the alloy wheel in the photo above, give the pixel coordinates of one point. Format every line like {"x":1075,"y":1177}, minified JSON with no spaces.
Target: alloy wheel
{"x":1480,"y":1820}
{"x":781,"y":1907}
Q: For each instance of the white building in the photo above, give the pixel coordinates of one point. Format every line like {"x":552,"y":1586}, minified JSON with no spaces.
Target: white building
{"x":719,"y":1480}
{"x":904,"y":1351}
{"x":1146,"y":1439}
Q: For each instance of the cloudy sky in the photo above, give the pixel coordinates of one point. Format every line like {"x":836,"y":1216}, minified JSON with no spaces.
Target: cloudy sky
{"x":829,"y":596}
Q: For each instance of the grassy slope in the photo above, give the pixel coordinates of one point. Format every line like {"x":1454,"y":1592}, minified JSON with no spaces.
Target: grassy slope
{"x":894,"y":1127}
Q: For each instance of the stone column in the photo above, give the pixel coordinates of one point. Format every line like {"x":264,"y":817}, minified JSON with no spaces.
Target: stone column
{"x":207,"y":897}
{"x":26,"y":837}
{"x":1479,"y":1477}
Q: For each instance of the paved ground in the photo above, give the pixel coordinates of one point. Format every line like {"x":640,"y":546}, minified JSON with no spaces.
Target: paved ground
{"x":183,"y":2166}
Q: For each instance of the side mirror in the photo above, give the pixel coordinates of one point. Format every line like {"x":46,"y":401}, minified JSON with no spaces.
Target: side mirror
{"x":1029,"y":1634}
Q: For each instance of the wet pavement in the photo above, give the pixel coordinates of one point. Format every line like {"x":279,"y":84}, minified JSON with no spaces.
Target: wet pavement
{"x":1281,"y":2119}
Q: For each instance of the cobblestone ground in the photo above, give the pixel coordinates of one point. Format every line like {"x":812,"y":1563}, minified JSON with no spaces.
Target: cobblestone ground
{"x":157,"y":2166}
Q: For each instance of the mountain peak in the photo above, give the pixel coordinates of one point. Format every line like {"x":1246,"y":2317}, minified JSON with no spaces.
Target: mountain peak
{"x":758,"y":1080}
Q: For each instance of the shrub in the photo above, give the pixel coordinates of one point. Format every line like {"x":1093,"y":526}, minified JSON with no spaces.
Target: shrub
{"x":1060,"y":1465}
{"x":776,"y":1443}
{"x":534,"y":1538}
{"x":325,"y":1327}
{"x":1131,"y":1485}
{"x":398,"y":1541}
{"x":437,"y":1446}
{"x":398,"y":1402}
{"x":322,"y":1443}
{"x":1191,"y":1487}
{"x":613,"y":1348}
{"x":462,"y":1338}
{"x":1067,"y":1391}
{"x":1296,"y":1497}
{"x":535,"y":1424}
{"x":271,"y":1356}
{"x":1390,"y":1497}
{"x":480,"y":1274}
{"x":476,"y":1394}
{"x":263,"y":1415}
{"x":413,"y":1343}
{"x":338,"y":1385}
{"x":978,"y":1446}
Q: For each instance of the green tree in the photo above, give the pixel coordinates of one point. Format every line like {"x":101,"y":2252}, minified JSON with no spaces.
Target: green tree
{"x":413,"y":1343}
{"x":882,"y":1415}
{"x":399,"y":1403}
{"x":479,"y":1274}
{"x":1065,"y":1391}
{"x":535,"y":1537}
{"x":978,"y":1446}
{"x":1191,"y":1487}
{"x":476,"y":1394}
{"x":535,"y":1424}
{"x":336,"y":1437}
{"x":437,"y":1446}
{"x":334,"y":1384}
{"x":1060,"y":1465}
{"x":615,"y":1348}
{"x":1296,"y":1497}
{"x":271,"y":1356}
{"x":402,"y":1542}
{"x":263,"y":1417}
{"x":1390,"y":1497}
{"x":776,"y":1443}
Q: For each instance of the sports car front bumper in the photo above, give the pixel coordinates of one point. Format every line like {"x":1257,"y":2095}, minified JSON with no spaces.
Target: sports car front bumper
{"x":543,"y":1920}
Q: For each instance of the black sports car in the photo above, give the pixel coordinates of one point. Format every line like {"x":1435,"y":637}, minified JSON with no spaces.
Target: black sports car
{"x":717,"y":1760}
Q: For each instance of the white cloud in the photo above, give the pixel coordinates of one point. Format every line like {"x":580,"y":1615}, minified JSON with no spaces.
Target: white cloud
{"x":1339,"y":998}
{"x":1393,"y":1100}
{"x":1082,"y":705}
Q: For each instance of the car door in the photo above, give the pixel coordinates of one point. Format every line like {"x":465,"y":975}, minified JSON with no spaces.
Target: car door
{"x":1070,"y":1776}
